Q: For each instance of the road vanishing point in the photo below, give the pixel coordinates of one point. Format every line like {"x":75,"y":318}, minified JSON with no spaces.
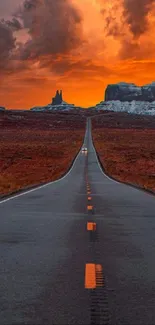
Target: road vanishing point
{"x":80,"y":250}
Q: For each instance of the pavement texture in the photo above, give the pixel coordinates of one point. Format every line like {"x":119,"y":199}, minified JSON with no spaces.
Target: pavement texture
{"x":46,"y":246}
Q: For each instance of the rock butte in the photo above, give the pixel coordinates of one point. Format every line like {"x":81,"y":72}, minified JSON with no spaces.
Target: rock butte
{"x":129,"y":91}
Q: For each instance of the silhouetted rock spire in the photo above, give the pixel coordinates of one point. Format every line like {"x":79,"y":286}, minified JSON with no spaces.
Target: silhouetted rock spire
{"x":58,"y":98}
{"x":61,"y":95}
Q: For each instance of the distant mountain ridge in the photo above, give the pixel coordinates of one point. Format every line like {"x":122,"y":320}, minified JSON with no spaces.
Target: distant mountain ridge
{"x":124,"y":91}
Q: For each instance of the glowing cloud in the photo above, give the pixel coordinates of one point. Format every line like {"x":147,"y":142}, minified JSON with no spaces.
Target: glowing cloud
{"x":76,"y":45}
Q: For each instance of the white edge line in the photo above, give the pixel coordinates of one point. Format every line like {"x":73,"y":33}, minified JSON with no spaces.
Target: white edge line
{"x":52,"y":182}
{"x":120,"y":183}
{"x":112,"y":180}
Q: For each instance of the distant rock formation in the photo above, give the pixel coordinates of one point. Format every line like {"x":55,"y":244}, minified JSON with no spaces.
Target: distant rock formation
{"x":2,"y":109}
{"x":133,"y":107}
{"x":58,"y":105}
{"x":129,"y":91}
{"x":57,"y":100}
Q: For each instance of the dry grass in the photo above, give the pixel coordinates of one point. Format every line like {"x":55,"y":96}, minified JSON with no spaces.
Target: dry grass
{"x":38,"y":150}
{"x":127,"y":154}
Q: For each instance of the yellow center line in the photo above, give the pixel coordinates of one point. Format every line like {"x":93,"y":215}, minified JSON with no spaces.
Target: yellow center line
{"x":89,"y":198}
{"x":89,"y":207}
{"x":91,"y":226}
{"x":90,"y":276}
{"x":93,"y":276}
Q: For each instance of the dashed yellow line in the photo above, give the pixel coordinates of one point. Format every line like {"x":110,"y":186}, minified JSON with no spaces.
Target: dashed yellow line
{"x":89,"y":207}
{"x":91,"y":226}
{"x":90,"y":276}
{"x":93,"y":276}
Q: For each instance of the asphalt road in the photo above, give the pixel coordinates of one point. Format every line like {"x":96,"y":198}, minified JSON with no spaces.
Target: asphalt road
{"x":54,"y":270}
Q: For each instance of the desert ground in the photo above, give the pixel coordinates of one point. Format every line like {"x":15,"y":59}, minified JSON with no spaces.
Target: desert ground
{"x":126,"y":147}
{"x":37,"y":147}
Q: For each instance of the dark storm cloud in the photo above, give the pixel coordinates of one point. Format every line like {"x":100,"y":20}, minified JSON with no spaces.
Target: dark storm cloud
{"x":7,"y":44}
{"x":65,"y":66}
{"x":113,"y":28}
{"x":112,"y":25}
{"x":136,"y":14}
{"x":54,"y":27}
{"x":129,"y":50}
{"x":133,"y":50}
{"x":14,"y":24}
{"x":31,"y":4}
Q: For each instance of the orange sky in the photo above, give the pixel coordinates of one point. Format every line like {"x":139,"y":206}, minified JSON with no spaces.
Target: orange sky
{"x":78,"y":46}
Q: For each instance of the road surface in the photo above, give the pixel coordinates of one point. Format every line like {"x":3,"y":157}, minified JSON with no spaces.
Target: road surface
{"x":80,"y":250}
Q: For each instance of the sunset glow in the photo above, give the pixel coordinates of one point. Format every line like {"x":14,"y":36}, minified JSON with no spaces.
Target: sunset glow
{"x":78,"y":46}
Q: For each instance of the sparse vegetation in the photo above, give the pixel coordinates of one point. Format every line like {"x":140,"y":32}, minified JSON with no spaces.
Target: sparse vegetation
{"x":34,"y":148}
{"x":127,"y":154}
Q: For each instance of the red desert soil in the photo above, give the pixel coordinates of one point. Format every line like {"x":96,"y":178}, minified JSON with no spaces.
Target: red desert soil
{"x":37,"y":147}
{"x":126,"y":147}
